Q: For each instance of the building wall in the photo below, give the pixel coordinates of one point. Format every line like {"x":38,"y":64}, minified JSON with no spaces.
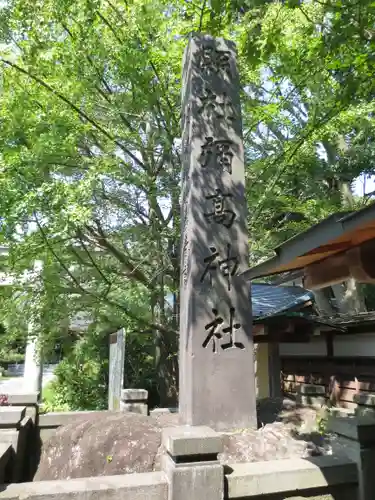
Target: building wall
{"x":344,"y":366}
{"x":315,"y":348}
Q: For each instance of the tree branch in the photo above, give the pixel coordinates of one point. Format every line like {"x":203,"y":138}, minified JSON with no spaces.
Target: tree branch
{"x":83,"y":291}
{"x":203,"y":8}
{"x":102,"y":241}
{"x":78,"y":111}
{"x":292,"y":151}
{"x":93,"y":263}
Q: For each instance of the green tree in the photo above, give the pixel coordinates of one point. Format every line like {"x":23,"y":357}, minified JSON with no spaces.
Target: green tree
{"x":90,"y":116}
{"x":89,"y":141}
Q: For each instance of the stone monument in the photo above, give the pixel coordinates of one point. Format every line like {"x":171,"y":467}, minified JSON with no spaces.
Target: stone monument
{"x":116,"y":368}
{"x":217,"y":385}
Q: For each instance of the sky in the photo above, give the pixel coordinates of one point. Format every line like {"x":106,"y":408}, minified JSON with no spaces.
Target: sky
{"x":364,"y":185}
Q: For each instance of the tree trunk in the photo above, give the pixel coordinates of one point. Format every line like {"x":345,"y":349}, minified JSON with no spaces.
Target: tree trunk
{"x":323,"y":304}
{"x":353,"y":301}
{"x":349,"y":298}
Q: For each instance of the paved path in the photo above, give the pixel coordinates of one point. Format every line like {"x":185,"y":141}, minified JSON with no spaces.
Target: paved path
{"x":15,"y":384}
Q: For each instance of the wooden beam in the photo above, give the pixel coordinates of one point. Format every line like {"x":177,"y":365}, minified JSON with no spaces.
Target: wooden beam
{"x":357,"y":262}
{"x":327,"y":272}
{"x":362,"y":263}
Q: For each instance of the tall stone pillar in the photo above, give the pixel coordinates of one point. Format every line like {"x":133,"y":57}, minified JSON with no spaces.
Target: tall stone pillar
{"x":217,"y":386}
{"x":33,"y":371}
{"x":116,"y":368}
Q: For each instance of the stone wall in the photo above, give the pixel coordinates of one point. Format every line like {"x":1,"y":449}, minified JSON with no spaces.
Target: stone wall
{"x":191,"y":469}
{"x":321,"y":478}
{"x":191,"y":464}
{"x":152,"y":486}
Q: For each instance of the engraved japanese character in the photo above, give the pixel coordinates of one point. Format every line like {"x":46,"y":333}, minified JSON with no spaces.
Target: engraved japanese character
{"x":209,"y":261}
{"x":220,"y":151}
{"x":220,"y":214}
{"x":231,"y":330}
{"x":224,"y":155}
{"x":212,"y":60}
{"x":227,"y":266}
{"x":214,"y":335}
{"x":216,"y":106}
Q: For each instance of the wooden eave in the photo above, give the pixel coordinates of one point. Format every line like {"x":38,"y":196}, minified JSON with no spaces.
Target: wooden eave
{"x":334,"y":236}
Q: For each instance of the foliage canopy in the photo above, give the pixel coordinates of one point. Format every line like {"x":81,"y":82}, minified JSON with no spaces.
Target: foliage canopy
{"x":90,"y":137}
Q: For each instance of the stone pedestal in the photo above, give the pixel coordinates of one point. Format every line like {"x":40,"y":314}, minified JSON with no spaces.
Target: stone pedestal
{"x":134,"y":401}
{"x":365,"y":404}
{"x":356,"y":440}
{"x":191,"y":463}
{"x":217,"y":385}
{"x":311,"y":395}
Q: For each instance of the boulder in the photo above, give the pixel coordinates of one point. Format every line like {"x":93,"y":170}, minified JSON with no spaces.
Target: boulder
{"x":121,"y":443}
{"x":111,"y":444}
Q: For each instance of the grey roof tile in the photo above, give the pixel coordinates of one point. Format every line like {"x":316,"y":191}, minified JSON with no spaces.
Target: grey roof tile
{"x":269,"y":300}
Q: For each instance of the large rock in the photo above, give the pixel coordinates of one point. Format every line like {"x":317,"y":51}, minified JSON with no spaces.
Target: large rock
{"x":121,"y":443}
{"x":108,"y":444}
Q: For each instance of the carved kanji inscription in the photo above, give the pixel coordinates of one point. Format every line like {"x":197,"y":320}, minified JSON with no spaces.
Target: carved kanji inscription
{"x":217,"y":106}
{"x":212,"y":60}
{"x":220,"y":213}
{"x":228,"y":265}
{"x":215,"y":332}
{"x":217,"y":153}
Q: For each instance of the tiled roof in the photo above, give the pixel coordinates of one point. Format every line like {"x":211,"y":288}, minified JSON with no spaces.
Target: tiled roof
{"x":269,"y":300}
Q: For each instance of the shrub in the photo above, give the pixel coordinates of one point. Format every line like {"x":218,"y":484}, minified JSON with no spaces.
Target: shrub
{"x":80,"y":380}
